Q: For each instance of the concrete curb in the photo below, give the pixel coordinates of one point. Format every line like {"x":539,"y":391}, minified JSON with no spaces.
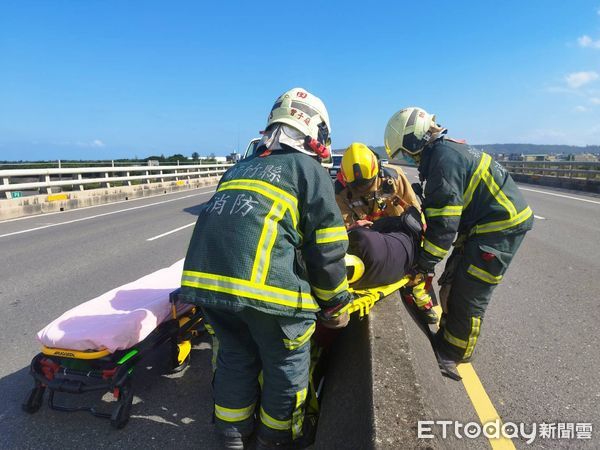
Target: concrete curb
{"x":382,"y":379}
{"x":39,"y":204}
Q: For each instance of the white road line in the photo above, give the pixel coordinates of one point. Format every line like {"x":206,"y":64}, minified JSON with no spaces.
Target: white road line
{"x":539,"y":217}
{"x":560,"y":195}
{"x":37,"y":216}
{"x":98,"y":215}
{"x":172,"y":231}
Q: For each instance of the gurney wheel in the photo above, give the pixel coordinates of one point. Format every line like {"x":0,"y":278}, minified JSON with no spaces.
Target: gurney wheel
{"x":120,"y":415}
{"x":34,"y":400}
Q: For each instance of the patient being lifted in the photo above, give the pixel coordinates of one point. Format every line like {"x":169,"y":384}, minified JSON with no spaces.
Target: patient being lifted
{"x":381,"y":212}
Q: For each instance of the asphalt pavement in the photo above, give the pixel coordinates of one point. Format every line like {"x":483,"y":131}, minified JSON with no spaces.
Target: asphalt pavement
{"x":538,"y":354}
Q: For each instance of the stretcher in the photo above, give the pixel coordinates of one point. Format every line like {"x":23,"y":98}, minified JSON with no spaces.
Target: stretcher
{"x":364,"y":300}
{"x":97,"y":345}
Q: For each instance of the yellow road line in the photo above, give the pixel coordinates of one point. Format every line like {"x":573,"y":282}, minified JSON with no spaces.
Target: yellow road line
{"x":480,"y":400}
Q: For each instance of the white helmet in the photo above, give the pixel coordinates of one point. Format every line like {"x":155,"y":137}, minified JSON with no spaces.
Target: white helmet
{"x":306,"y":113}
{"x":408,"y":131}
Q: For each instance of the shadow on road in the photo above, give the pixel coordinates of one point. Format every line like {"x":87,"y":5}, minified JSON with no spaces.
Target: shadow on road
{"x":168,"y":410}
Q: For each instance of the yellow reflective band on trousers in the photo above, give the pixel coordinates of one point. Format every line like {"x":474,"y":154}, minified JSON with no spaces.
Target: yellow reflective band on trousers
{"x":501,"y":225}
{"x":248,"y":289}
{"x":433,"y":249}
{"x":268,"y":190}
{"x":298,"y":414}
{"x":262,"y":260}
{"x":450,"y":210}
{"x":328,"y":294}
{"x":484,"y":164}
{"x":275,"y":424}
{"x":209,"y":328}
{"x":293,"y":344}
{"x":234,"y":414}
{"x":333,"y":234}
{"x":454,"y":340}
{"x":483,"y":275}
{"x":473,"y":335}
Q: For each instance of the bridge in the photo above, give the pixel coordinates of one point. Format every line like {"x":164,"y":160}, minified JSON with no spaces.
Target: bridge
{"x":537,"y":361}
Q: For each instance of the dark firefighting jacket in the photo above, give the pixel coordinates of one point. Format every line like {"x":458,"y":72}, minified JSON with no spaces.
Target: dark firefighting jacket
{"x":389,"y":196}
{"x":466,"y":191}
{"x":271,"y":238}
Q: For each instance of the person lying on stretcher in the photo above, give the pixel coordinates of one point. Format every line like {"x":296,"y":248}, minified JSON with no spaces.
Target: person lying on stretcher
{"x":382,"y":214}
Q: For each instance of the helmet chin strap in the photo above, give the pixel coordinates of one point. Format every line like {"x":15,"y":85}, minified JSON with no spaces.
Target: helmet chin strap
{"x":321,"y":150}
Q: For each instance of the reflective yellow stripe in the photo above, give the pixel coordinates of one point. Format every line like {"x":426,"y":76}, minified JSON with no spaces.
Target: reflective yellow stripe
{"x":450,"y":210}
{"x":454,"y":340}
{"x":473,"y":335}
{"x":234,"y":414}
{"x":483,"y":275}
{"x":421,"y":295}
{"x":504,"y":224}
{"x":262,"y":260}
{"x":298,"y":414}
{"x":429,"y":247}
{"x":209,"y":328}
{"x":245,"y":288}
{"x":268,"y":190}
{"x":498,"y":194}
{"x":334,"y":234}
{"x":483,"y":166}
{"x":328,"y":294}
{"x":271,"y":422}
{"x":293,"y":344}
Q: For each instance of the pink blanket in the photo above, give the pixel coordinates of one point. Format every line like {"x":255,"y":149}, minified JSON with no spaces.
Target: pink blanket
{"x":118,"y":319}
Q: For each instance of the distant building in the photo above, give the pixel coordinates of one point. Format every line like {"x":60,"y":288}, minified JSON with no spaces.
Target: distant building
{"x":234,"y":157}
{"x":584,"y":157}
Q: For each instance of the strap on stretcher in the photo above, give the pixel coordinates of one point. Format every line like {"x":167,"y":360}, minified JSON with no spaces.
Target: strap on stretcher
{"x":365,"y":299}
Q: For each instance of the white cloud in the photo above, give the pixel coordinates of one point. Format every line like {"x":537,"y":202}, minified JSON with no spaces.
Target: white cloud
{"x":587,"y":42}
{"x":578,"y":79}
{"x":580,"y":108}
{"x":595,"y":100}
{"x":96,"y":143}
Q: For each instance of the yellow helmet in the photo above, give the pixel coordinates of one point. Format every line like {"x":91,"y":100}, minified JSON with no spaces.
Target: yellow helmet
{"x":359,"y":165}
{"x":408,"y":131}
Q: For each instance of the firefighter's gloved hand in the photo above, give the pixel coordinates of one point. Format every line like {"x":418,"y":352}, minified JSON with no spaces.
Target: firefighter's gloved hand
{"x":336,"y":316}
{"x":361,"y":223}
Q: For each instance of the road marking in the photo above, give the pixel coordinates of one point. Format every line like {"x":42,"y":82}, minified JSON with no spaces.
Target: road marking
{"x":560,"y":195}
{"x":170,"y":232}
{"x":101,"y":215}
{"x":539,"y":217}
{"x":480,"y":399}
{"x":37,"y":216}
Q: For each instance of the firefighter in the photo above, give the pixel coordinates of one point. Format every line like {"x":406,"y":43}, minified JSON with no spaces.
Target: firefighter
{"x":468,"y":193}
{"x":367,"y":191}
{"x":266,"y":255}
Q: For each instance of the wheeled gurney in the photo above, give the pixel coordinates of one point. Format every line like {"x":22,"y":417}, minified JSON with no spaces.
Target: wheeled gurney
{"x":97,"y":345}
{"x":81,"y":353}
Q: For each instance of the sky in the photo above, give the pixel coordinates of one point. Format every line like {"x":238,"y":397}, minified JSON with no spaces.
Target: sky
{"x":104,"y":79}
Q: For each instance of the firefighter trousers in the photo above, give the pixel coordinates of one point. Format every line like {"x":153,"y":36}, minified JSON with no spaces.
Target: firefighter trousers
{"x":262,"y":373}
{"x":471,"y":274}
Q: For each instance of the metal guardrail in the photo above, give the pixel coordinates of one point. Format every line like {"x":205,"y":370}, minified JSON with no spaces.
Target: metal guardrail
{"x":572,"y":170}
{"x":17,"y":180}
